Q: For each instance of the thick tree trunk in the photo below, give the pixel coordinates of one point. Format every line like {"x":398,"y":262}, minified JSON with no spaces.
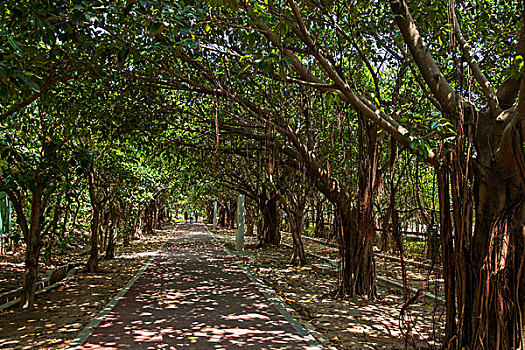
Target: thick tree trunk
{"x":270,"y":234}
{"x":491,"y":297}
{"x":357,"y":274}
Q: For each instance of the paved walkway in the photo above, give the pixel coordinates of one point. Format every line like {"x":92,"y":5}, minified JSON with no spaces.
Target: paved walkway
{"x":194,"y":296}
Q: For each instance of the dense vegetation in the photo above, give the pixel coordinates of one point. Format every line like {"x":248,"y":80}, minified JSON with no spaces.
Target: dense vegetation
{"x":387,"y":112}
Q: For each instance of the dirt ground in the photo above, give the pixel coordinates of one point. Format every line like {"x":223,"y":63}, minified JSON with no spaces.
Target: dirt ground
{"x":12,"y":267}
{"x":61,"y":313}
{"x":355,"y":323}
{"x":349,"y":324}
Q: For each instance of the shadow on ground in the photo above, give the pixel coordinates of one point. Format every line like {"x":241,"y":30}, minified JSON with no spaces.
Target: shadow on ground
{"x":194,"y":296}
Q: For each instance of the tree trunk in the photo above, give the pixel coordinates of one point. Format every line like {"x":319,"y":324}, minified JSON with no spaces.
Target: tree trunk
{"x":319,"y":220}
{"x":104,"y":230}
{"x":386,"y":231}
{"x":270,"y":234}
{"x":92,"y":263}
{"x":126,"y":225}
{"x":114,"y":220}
{"x":231,"y":209}
{"x":433,"y":245}
{"x":447,"y":253}
{"x":209,"y":212}
{"x":127,"y":232}
{"x":296,"y":223}
{"x":161,"y":214}
{"x":357,"y":274}
{"x":249,"y":220}
{"x":137,"y":223}
{"x":33,"y":242}
{"x":222,"y":215}
{"x":491,"y":296}
{"x":155,"y":211}
{"x":149,"y":219}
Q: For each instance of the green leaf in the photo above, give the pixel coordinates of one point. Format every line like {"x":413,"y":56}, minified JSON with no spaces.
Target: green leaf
{"x":518,"y":61}
{"x":282,"y":73}
{"x":14,"y":45}
{"x":123,"y":53}
{"x":216,"y":3}
{"x":3,"y":31}
{"x":28,"y":81}
{"x":156,"y":28}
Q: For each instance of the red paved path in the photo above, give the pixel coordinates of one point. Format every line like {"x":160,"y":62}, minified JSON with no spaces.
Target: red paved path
{"x":194,"y":296}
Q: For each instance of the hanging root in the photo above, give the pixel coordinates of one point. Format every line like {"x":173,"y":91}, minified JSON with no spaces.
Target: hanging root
{"x":521,"y":340}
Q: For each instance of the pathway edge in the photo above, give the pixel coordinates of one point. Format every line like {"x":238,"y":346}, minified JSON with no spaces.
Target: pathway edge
{"x":314,"y":339}
{"x":82,"y":336}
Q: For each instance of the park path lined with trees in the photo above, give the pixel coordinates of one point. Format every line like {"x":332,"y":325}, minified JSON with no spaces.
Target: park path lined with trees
{"x":193,"y":295}
{"x":380,"y":115}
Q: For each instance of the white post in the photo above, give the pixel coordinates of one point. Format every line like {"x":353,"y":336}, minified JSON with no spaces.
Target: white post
{"x":214,"y":222}
{"x":239,"y":237}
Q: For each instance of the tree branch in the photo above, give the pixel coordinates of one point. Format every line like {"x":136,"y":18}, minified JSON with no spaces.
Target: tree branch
{"x":433,"y":77}
{"x":480,"y":77}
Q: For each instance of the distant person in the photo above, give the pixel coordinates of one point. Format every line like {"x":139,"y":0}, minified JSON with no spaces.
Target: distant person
{"x":186,"y":217}
{"x":191,"y":219}
{"x":196,"y":216}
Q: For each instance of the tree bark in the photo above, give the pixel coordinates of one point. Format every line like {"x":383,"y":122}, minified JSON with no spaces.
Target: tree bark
{"x":356,"y":224}
{"x":114,"y":221}
{"x":270,"y":234}
{"x":447,"y":254}
{"x":33,"y":242}
{"x":222,"y":214}
{"x":149,"y":218}
{"x":104,"y":229}
{"x":296,"y":223}
{"x":491,"y":293}
{"x":92,"y":263}
{"x":386,"y":231}
{"x":249,"y":220}
{"x":357,"y":274}
{"x":231,"y":213}
{"x":320,"y":230}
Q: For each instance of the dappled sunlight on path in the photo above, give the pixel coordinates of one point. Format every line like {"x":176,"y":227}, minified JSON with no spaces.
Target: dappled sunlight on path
{"x":194,"y":296}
